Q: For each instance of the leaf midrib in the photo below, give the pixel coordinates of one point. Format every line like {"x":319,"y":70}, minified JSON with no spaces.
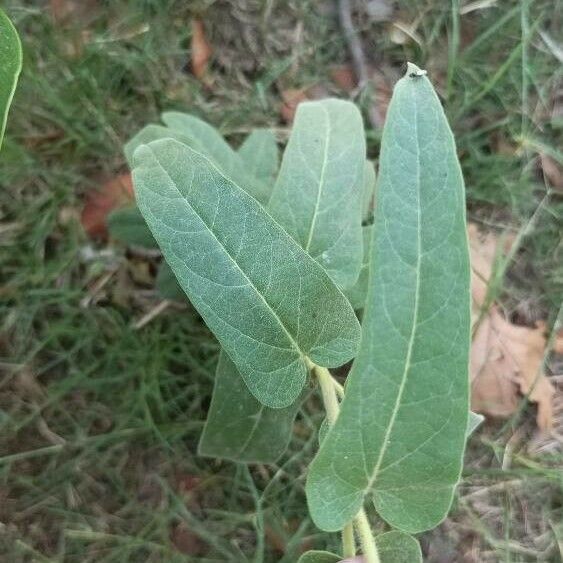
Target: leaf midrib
{"x":321,"y":180}
{"x":258,"y":418}
{"x":407,"y":366}
{"x":274,"y":313}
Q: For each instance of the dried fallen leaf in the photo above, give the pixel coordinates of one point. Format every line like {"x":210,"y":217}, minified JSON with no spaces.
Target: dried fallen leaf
{"x":484,"y":249}
{"x":291,"y":98}
{"x":558,"y":344}
{"x":74,"y":17}
{"x":185,"y":541}
{"x":553,"y":172}
{"x":73,"y":11}
{"x":344,"y":77}
{"x":383,"y":80}
{"x":201,"y":49}
{"x":506,"y":359}
{"x":115,"y":193}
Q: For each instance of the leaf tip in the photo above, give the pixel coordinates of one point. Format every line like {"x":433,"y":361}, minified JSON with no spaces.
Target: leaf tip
{"x":141,"y":153}
{"x":413,"y":71}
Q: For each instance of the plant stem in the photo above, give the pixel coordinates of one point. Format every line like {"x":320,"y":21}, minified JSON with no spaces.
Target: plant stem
{"x":328,"y":391}
{"x":339,"y":388}
{"x":366,"y":538}
{"x":348,"y":541}
{"x":361,"y":523}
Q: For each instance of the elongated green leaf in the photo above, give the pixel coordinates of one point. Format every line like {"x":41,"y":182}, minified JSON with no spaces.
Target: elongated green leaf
{"x":319,"y":557}
{"x":206,"y":140}
{"x":154,"y":133}
{"x":357,"y":293}
{"x":398,"y":547}
{"x":369,"y":190}
{"x":128,"y":225}
{"x":210,"y":141}
{"x":400,"y":434}
{"x":259,"y":153}
{"x":240,"y":428}
{"x":268,"y":302}
{"x":10,"y":67}
{"x":318,"y":194}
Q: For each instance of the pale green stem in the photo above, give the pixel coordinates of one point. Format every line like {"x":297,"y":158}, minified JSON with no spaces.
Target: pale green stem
{"x":366,"y":538}
{"x":348,"y":541}
{"x":339,"y":388}
{"x":329,"y":387}
{"x":328,"y":392}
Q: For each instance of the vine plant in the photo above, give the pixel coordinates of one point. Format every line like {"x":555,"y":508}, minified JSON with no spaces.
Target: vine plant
{"x":279,"y":264}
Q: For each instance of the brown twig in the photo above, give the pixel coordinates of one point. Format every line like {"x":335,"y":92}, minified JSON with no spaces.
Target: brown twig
{"x":153,"y":313}
{"x":358,"y":57}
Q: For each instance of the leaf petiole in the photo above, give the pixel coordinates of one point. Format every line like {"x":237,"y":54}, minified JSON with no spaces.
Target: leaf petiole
{"x":369,"y":549}
{"x":348,"y":541}
{"x":339,"y":388}
{"x":329,"y":389}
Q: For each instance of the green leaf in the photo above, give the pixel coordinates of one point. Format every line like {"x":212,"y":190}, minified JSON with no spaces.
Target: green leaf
{"x":268,"y":302}
{"x":398,"y":547}
{"x":369,"y":190}
{"x":154,"y":133}
{"x":357,"y":293}
{"x":240,"y":428}
{"x":259,"y":153}
{"x":205,"y":139}
{"x":323,"y":430}
{"x":400,"y":434}
{"x":318,"y":194}
{"x":10,"y":67}
{"x":128,"y":225}
{"x":167,"y":285}
{"x":319,"y":557}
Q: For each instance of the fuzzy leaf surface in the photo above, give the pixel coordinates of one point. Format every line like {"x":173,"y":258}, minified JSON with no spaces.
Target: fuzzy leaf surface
{"x":239,"y":427}
{"x":318,"y":193}
{"x":319,"y":557}
{"x":400,"y":435}
{"x":357,"y":293}
{"x":260,"y":154}
{"x":153,"y":132}
{"x":10,"y":67}
{"x":398,"y":547}
{"x":207,"y":140}
{"x":268,"y":302}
